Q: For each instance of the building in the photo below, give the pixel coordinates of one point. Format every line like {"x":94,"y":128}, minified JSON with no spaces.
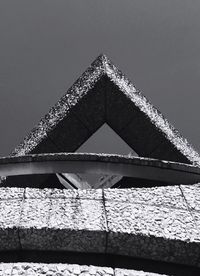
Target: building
{"x":142,"y":215}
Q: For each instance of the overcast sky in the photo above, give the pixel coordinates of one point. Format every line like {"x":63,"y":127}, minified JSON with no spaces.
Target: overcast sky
{"x":45,"y":45}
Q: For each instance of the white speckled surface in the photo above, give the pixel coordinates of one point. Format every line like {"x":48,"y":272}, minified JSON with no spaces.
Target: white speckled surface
{"x":38,"y":269}
{"x":115,"y":221}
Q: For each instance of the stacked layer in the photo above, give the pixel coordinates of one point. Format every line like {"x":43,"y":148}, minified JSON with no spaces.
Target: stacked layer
{"x":155,"y":223}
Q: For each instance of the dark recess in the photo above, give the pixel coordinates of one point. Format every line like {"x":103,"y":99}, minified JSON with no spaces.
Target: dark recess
{"x":107,"y":260}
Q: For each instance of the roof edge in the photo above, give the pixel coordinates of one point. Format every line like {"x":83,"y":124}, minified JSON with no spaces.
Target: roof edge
{"x":102,"y":66}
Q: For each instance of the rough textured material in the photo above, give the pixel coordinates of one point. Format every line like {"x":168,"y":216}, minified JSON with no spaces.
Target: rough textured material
{"x":77,"y":225}
{"x":149,"y":232}
{"x":33,"y":229}
{"x":9,"y":223}
{"x":86,"y":99}
{"x":63,"y":220}
{"x":36,"y":269}
{"x":10,"y":209}
{"x":6,"y":269}
{"x":192,"y":196}
{"x":14,"y":193}
{"x":151,"y":223}
{"x":168,"y":196}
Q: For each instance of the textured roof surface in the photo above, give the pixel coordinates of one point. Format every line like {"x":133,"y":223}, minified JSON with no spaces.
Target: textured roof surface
{"x":104,"y":94}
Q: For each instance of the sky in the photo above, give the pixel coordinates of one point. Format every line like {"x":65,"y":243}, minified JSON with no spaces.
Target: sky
{"x":45,"y":45}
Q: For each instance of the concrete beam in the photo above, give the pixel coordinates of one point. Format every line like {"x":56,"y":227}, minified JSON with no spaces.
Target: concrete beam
{"x":145,"y":168}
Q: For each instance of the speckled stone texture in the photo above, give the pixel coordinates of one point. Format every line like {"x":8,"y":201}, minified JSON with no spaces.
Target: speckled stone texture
{"x":39,"y":269}
{"x":10,"y":209}
{"x":14,"y":193}
{"x":155,"y":223}
{"x":149,"y":231}
{"x":6,"y":269}
{"x":77,"y":225}
{"x":151,"y":223}
{"x":33,"y":229}
{"x":35,"y":269}
{"x":168,"y":196}
{"x":191,"y":194}
{"x":63,"y":220}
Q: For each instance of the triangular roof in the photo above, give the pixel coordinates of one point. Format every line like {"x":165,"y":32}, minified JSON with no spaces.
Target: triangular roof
{"x":103,"y":94}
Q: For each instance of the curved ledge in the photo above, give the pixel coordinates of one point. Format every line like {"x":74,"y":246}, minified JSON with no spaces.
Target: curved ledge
{"x":22,"y":268}
{"x":138,"y":167}
{"x":153,"y":224}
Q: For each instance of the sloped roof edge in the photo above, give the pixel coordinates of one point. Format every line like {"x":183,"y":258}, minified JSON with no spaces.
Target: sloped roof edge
{"x":102,"y":66}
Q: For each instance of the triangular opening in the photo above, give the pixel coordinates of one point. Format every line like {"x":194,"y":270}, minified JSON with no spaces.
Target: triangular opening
{"x":104,"y":140}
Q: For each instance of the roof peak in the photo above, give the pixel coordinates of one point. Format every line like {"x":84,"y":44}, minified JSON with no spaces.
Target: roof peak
{"x":102,"y":57}
{"x":93,"y":100}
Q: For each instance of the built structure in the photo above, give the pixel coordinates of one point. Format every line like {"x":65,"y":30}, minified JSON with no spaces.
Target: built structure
{"x":141,"y":218}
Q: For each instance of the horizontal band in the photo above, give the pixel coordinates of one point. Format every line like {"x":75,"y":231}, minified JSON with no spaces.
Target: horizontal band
{"x":152,"y":223}
{"x":137,"y":167}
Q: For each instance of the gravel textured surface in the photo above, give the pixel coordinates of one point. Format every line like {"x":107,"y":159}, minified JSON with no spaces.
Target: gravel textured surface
{"x":9,"y":222}
{"x":37,"y":269}
{"x":157,"y":223}
{"x":14,"y":193}
{"x":149,"y":231}
{"x":169,"y":196}
{"x":78,"y":225}
{"x":192,"y":195}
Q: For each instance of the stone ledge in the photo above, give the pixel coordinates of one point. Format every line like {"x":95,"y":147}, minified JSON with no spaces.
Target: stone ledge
{"x":33,"y":269}
{"x":132,"y":222}
{"x":111,"y":164}
{"x":70,"y":224}
{"x":151,"y":232}
{"x":101,"y":157}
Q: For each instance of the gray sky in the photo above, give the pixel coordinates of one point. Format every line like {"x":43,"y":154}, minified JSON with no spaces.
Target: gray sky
{"x":45,"y":45}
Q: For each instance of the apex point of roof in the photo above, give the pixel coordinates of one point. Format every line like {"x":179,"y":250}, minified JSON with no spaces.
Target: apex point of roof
{"x":103,"y":94}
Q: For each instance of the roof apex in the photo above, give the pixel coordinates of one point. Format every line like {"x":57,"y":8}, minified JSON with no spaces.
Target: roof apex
{"x":122,"y":92}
